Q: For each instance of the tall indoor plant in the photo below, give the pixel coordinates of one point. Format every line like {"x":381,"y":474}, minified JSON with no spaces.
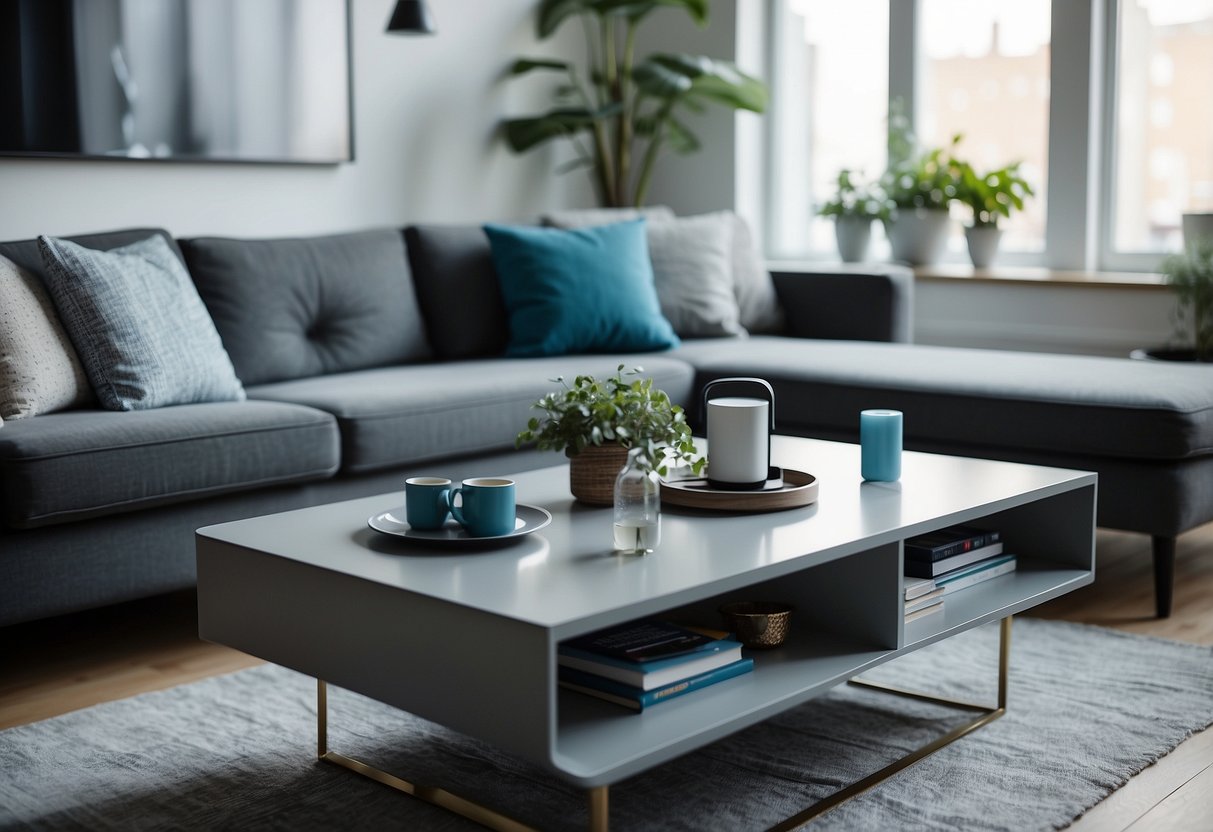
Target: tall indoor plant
{"x":989,"y":196}
{"x":620,"y":113}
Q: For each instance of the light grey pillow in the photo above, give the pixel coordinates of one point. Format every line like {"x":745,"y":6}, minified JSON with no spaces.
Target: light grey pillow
{"x":693,"y":273}
{"x":138,"y":325}
{"x":760,"y":309}
{"x":39,"y":370}
{"x":587,"y":217}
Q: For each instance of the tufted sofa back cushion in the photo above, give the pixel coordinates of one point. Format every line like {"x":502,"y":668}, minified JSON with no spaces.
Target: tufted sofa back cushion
{"x":295,"y":308}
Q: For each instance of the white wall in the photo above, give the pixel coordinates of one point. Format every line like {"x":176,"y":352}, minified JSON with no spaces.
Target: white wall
{"x":426,"y":112}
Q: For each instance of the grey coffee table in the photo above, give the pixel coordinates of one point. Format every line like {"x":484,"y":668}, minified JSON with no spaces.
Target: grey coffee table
{"x":315,"y":590}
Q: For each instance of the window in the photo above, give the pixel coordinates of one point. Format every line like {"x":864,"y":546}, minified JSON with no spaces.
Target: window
{"x":1105,"y":103}
{"x":831,"y":99}
{"x":1163,"y":115}
{"x":985,"y":75}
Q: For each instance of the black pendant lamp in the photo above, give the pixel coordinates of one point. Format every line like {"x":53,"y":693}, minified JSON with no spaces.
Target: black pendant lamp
{"x":411,"y":17}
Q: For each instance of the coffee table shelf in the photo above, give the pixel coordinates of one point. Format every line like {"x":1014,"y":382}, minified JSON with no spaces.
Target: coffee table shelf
{"x":463,"y":638}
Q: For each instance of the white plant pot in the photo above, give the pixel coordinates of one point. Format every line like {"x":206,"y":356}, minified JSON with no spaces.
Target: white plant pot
{"x":983,"y":244}
{"x":854,"y":235}
{"x":1197,"y":227}
{"x":918,"y":236}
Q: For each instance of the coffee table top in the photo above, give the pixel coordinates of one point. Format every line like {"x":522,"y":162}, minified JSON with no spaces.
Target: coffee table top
{"x":567,"y":576}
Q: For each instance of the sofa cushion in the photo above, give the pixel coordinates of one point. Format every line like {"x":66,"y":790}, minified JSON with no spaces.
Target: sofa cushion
{"x":292,"y":308}
{"x":958,"y":398}
{"x":761,"y":312}
{"x":141,"y":331}
{"x":27,"y":255}
{"x":39,"y":370}
{"x":578,"y":291}
{"x":458,"y":291}
{"x":397,"y":415}
{"x":693,"y":273}
{"x":89,"y":463}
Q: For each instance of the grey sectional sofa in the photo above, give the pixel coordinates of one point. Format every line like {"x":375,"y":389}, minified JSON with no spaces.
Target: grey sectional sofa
{"x":370,"y":357}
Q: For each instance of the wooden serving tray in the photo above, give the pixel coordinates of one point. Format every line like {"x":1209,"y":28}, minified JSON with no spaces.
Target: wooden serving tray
{"x":790,"y":489}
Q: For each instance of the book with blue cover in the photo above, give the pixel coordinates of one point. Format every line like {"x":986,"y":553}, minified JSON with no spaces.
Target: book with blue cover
{"x":638,"y":699}
{"x":651,"y":674}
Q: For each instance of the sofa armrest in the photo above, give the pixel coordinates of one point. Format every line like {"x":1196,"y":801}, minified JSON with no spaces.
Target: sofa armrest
{"x":870,"y":302}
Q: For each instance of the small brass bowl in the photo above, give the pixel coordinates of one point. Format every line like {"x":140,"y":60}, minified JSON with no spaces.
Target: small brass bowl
{"x":761,"y":624}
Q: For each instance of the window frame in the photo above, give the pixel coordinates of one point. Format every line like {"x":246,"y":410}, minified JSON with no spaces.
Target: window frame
{"x":1080,"y":200}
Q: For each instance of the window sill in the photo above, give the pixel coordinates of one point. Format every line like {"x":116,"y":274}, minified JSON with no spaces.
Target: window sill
{"x":1040,"y":276}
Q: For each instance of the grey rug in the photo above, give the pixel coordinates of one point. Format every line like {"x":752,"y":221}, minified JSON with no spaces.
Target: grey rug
{"x":1089,"y":707}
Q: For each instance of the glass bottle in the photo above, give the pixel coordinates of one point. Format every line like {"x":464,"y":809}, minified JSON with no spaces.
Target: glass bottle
{"x":637,"y":507}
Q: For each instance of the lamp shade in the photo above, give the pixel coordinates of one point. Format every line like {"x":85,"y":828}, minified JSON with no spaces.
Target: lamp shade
{"x":411,"y":17}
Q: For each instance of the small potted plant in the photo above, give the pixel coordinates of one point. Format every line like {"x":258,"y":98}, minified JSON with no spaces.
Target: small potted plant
{"x":920,"y":185}
{"x":853,"y":208}
{"x":1190,"y":276}
{"x":989,"y":196}
{"x":596,"y":422}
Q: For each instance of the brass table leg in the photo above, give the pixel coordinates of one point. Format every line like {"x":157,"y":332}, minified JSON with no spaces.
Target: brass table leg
{"x":987,"y":715}
{"x":430,"y":794}
{"x":599,"y":810}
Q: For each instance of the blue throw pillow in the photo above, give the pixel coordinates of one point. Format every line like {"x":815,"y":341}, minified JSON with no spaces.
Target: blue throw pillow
{"x":579,"y":291}
{"x":143,"y":335}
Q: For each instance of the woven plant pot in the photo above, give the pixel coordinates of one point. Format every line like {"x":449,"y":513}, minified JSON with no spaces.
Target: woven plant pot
{"x":592,"y":473}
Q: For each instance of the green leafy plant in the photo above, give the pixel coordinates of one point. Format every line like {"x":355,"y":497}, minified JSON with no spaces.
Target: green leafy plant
{"x":917,"y":178}
{"x":623,"y":408}
{"x":991,"y":195}
{"x":1190,"y":275}
{"x":856,"y":198}
{"x":620,"y":113}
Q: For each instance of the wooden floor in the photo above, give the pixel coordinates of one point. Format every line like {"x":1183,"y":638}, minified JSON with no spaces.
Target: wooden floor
{"x":56,"y":666}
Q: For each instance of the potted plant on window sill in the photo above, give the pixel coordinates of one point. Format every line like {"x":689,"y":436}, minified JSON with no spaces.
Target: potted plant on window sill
{"x":921,"y":187}
{"x":853,"y":208}
{"x":1190,"y":276}
{"x":596,"y":422}
{"x":989,"y":196}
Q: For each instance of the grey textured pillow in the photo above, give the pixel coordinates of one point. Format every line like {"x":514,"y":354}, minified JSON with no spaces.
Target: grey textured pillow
{"x":760,"y":309}
{"x":39,"y":370}
{"x":693,"y":273}
{"x":138,"y":325}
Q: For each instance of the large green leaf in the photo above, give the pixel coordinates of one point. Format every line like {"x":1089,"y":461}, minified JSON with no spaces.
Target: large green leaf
{"x":524,"y":133}
{"x":715,"y":80}
{"x":657,"y":80}
{"x":525,"y":65}
{"x":679,"y":138}
{"x":552,"y":13}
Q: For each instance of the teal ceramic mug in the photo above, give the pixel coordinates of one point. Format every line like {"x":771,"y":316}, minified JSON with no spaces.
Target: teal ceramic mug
{"x":426,"y":505}
{"x":487,"y":508}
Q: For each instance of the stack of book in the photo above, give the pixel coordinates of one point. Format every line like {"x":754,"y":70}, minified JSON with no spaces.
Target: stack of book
{"x":951,"y":559}
{"x":922,"y":598}
{"x":646,"y":662}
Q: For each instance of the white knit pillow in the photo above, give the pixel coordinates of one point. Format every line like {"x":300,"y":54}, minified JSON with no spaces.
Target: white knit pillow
{"x":39,"y":370}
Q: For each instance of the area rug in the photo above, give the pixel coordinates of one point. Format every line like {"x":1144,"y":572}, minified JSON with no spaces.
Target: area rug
{"x":1088,"y":708}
